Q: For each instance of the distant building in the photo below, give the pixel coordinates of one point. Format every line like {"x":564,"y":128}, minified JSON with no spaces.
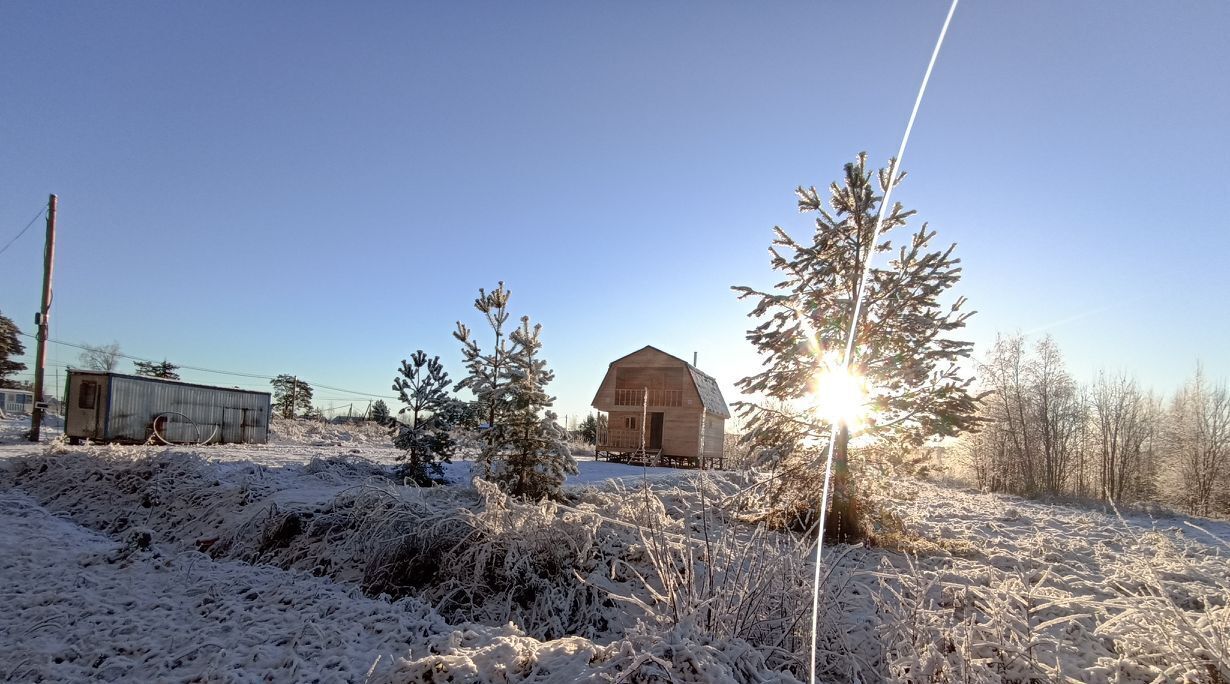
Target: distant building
{"x":108,"y":407}
{"x":16,"y":402}
{"x":661,"y":410}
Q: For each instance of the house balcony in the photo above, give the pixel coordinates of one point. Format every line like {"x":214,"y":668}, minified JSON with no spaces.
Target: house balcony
{"x":656,"y":397}
{"x":620,"y":438}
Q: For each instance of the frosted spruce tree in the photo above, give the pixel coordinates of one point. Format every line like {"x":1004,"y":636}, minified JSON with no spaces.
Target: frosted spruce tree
{"x":523,"y":448}
{"x":589,"y":430}
{"x":422,"y":431}
{"x":380,"y":412}
{"x":903,"y":349}
{"x":487,"y":371}
{"x":10,"y":349}
{"x":154,"y":369}
{"x":536,"y":456}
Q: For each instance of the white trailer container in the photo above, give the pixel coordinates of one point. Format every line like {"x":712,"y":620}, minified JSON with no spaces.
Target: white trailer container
{"x":111,"y":407}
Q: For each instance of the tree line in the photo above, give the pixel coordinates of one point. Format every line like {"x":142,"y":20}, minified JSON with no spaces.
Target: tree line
{"x":1046,"y":434}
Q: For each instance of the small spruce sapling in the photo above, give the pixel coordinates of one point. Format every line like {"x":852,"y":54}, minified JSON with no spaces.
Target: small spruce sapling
{"x":422,"y":431}
{"x":463,"y":415}
{"x":536,"y":455}
{"x":589,"y":430}
{"x":523,"y":448}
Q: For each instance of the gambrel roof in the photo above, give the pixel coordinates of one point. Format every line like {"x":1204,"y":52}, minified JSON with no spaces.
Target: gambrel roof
{"x":706,"y":386}
{"x":710,"y":393}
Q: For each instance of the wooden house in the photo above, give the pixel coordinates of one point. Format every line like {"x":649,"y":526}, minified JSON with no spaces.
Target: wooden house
{"x":661,"y":410}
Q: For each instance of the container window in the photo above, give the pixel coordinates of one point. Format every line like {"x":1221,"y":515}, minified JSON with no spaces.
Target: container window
{"x":89,"y":392}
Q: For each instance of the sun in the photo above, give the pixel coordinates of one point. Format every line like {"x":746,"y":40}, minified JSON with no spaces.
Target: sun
{"x":839,"y":395}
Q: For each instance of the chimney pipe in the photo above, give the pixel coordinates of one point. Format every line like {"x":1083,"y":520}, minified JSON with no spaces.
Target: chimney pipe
{"x":693,"y":359}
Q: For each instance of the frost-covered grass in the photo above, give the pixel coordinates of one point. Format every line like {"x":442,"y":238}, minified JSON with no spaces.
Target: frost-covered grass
{"x":644,"y":574}
{"x":1012,"y":590}
{"x":472,"y":554}
{"x":80,"y":605}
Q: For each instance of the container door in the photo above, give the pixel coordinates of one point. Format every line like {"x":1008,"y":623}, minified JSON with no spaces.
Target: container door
{"x":84,"y":406}
{"x":232,"y":426}
{"x":251,"y":427}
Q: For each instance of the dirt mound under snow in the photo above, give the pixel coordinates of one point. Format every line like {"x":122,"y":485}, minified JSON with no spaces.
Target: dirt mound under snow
{"x":994,"y":588}
{"x":327,"y":433}
{"x":477,"y":556}
{"x":79,"y":605}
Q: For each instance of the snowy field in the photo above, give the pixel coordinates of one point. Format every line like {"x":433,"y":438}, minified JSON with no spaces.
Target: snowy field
{"x":301,"y":560}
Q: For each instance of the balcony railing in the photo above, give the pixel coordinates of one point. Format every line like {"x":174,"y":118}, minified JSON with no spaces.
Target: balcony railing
{"x":619,"y":438}
{"x":657,"y":397}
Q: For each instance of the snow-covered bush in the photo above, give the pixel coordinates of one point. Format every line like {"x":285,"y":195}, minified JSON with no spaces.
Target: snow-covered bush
{"x":520,"y":562}
{"x":708,"y":575}
{"x":314,"y":433}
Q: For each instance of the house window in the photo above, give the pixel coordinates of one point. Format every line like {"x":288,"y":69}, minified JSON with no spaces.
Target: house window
{"x":630,"y":422}
{"x":89,"y":391}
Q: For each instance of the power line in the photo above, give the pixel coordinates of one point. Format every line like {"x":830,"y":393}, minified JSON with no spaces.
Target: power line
{"x":220,"y":372}
{"x":143,"y":360}
{"x":346,"y":391}
{"x":23,"y":230}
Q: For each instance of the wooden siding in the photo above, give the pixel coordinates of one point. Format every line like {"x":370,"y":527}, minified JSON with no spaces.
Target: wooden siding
{"x":662,"y":374}
{"x":672,"y":391}
{"x":680,"y":429}
{"x":714,"y":436}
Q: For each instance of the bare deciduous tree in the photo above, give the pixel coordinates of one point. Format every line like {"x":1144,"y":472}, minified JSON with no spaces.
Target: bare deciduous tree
{"x":101,"y":358}
{"x":1057,"y":414}
{"x":1123,"y":420}
{"x":1198,"y":438}
{"x":1045,"y":434}
{"x":1035,"y":416}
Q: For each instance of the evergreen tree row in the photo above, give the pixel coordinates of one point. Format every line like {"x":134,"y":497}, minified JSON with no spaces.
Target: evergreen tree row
{"x":523,"y":448}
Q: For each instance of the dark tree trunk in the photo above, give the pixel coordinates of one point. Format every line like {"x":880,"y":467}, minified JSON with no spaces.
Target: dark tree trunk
{"x":844,"y":522}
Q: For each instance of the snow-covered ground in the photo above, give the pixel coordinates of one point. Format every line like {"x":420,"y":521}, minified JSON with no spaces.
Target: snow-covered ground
{"x":302,"y":560}
{"x":81,"y":605}
{"x":1053,"y":593}
{"x":148,"y":563}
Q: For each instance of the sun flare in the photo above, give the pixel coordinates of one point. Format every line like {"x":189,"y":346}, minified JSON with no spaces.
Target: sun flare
{"x":840,"y":395}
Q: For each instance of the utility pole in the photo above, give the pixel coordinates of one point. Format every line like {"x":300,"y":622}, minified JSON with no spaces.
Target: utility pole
{"x":40,"y":355}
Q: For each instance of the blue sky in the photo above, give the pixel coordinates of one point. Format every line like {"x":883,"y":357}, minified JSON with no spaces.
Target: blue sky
{"x":321,"y":188}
